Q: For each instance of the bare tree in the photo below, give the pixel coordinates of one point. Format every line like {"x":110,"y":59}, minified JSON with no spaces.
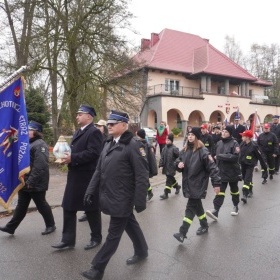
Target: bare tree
{"x":233,"y":51}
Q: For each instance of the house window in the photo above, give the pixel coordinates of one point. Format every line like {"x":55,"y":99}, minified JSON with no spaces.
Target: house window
{"x":171,"y":85}
{"x":250,"y":92}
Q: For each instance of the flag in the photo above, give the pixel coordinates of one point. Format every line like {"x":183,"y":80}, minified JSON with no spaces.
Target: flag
{"x":255,"y":122}
{"x":14,"y":142}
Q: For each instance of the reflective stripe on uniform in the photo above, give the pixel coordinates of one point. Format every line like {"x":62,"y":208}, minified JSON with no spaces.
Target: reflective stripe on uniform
{"x":187,"y":220}
{"x":221,"y":193}
{"x":248,"y":157}
{"x":202,"y":216}
{"x":174,"y":184}
{"x":149,"y":188}
{"x":169,"y":188}
{"x":234,"y":193}
{"x":246,"y":187}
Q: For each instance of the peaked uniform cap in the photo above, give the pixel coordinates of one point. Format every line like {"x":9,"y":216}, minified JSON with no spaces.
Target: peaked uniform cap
{"x":85,"y":109}
{"x":116,"y":116}
{"x":35,"y":126}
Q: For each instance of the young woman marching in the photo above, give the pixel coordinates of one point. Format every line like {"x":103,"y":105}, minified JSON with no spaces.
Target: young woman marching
{"x":197,"y":165}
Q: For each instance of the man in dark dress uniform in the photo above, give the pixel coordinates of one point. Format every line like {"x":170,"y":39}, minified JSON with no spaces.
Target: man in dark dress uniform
{"x":86,"y":147}
{"x":237,"y":129}
{"x":122,"y":177}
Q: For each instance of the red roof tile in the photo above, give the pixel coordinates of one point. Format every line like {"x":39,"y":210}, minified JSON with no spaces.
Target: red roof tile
{"x":187,"y":53}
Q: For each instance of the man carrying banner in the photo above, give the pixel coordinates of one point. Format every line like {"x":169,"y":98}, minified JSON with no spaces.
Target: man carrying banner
{"x":36,"y":183}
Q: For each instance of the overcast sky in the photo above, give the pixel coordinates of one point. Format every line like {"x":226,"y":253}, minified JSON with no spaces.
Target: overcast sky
{"x":248,"y":21}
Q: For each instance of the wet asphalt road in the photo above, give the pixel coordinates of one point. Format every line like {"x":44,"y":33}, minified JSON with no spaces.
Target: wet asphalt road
{"x":242,"y":247}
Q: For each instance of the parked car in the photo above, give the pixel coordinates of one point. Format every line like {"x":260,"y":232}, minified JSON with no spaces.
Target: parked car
{"x":150,"y":133}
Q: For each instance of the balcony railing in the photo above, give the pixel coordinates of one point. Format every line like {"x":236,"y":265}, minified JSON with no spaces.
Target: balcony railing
{"x":161,"y":89}
{"x":181,"y":91}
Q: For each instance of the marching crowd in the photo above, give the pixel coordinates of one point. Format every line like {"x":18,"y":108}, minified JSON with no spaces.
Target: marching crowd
{"x":109,"y":170}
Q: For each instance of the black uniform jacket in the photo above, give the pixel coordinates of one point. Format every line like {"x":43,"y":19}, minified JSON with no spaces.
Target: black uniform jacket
{"x":235,"y":133}
{"x":167,"y":160}
{"x":85,"y":152}
{"x":268,"y":143}
{"x":149,"y":150}
{"x":275,"y":128}
{"x":227,"y":155}
{"x":250,"y":154}
{"x":38,"y":177}
{"x":198,"y":167}
{"x":122,"y":176}
{"x":208,"y":142}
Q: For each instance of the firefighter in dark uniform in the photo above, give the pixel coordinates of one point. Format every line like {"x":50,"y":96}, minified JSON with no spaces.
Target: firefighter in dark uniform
{"x":36,"y":183}
{"x":167,"y":161}
{"x":149,"y":150}
{"x":227,"y":153}
{"x":268,"y":145}
{"x":275,"y":128}
{"x":197,"y":165}
{"x":216,"y":136}
{"x":122,"y":177}
{"x":237,"y":129}
{"x":248,"y":157}
{"x":86,"y":147}
{"x":206,"y":138}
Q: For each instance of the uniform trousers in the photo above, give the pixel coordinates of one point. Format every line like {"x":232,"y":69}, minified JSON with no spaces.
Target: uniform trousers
{"x":247,"y":175}
{"x":24,"y":198}
{"x":70,"y":226}
{"x":194,"y":207}
{"x":116,"y":228}
{"x":220,"y":197}
{"x":170,"y":183}
{"x":161,"y":146}
{"x":270,"y":161}
{"x":277,"y":162}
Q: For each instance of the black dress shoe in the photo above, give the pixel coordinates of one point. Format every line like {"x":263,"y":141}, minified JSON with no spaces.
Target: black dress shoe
{"x":136,"y":259}
{"x":5,"y":229}
{"x":93,"y":274}
{"x":83,"y":218}
{"x":92,"y":244}
{"x":62,"y":245}
{"x":49,"y":230}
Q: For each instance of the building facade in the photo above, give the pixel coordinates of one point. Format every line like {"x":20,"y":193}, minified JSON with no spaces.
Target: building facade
{"x":189,"y":82}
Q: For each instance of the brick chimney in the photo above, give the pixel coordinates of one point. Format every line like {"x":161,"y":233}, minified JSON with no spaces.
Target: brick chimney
{"x":145,"y":44}
{"x":154,"y":39}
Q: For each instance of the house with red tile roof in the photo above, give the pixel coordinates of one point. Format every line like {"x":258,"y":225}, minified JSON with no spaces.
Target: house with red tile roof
{"x":189,"y":82}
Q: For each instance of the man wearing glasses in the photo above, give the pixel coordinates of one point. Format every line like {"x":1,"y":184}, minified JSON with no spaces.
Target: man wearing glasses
{"x":122,"y":178}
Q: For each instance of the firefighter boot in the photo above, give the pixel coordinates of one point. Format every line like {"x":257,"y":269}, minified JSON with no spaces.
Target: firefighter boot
{"x":244,"y":198}
{"x":165,"y":195}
